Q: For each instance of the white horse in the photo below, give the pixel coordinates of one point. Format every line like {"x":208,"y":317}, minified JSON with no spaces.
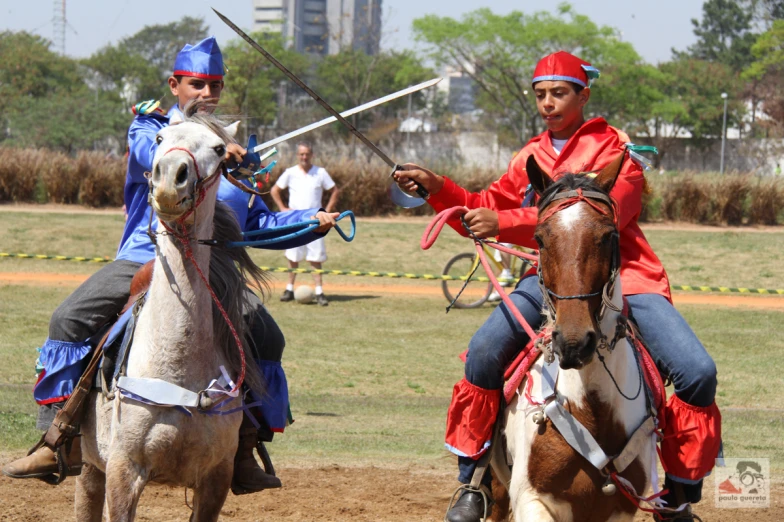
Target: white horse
{"x":181,"y":339}
{"x":552,"y":479}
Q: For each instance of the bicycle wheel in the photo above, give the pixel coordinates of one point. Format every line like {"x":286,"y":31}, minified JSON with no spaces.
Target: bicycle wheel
{"x":475,"y":293}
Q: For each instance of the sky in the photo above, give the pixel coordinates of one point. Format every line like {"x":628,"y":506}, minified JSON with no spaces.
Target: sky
{"x":653,"y":27}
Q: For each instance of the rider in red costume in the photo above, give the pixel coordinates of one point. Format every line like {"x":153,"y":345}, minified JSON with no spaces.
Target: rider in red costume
{"x":571,"y":144}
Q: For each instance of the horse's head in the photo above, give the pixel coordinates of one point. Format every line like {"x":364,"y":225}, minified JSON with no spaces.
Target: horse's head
{"x":578,"y":255}
{"x":187,"y":163}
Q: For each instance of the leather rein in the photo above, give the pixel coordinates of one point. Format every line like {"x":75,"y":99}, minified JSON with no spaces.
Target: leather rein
{"x":563,"y":200}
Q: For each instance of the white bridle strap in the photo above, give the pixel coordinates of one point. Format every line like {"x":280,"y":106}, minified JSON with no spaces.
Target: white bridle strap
{"x":159,"y":392}
{"x":578,"y":436}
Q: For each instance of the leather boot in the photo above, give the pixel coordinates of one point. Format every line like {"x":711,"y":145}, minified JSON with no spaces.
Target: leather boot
{"x":249,"y":477}
{"x":470,"y":507}
{"x":42,"y":462}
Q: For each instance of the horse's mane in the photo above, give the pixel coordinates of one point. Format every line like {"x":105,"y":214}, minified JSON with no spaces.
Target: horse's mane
{"x":232,"y":271}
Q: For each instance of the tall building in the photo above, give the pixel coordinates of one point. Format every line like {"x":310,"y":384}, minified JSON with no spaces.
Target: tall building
{"x":322,"y":26}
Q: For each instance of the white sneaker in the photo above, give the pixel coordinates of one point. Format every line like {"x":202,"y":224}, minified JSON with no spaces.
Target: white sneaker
{"x":505,"y":274}
{"x":494,"y":296}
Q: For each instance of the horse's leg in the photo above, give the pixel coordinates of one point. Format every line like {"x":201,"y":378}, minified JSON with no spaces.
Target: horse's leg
{"x":209,"y":496}
{"x":89,"y":494}
{"x":533,"y":509}
{"x":124,"y":486}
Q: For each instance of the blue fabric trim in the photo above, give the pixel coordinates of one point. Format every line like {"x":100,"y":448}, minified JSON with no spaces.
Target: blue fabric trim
{"x":63,"y":362}
{"x":557,"y":78}
{"x":687,"y":481}
{"x":461,"y":454}
{"x":275,"y":402}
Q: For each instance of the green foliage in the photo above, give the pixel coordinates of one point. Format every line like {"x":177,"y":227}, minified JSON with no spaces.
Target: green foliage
{"x":768,"y":52}
{"x":159,"y":44}
{"x":351,"y":77}
{"x":499,"y":52}
{"x":723,"y":35}
{"x":692,"y":97}
{"x":252,"y":81}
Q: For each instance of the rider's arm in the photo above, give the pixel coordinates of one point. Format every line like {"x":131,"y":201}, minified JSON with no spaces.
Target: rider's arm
{"x":261,"y":218}
{"x":141,"y":147}
{"x":516,"y":225}
{"x":627,"y":193}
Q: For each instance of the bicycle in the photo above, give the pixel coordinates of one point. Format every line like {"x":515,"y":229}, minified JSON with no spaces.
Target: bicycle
{"x":478,"y":288}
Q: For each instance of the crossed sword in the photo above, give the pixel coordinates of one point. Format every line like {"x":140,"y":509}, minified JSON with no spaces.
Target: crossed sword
{"x":399,"y":197}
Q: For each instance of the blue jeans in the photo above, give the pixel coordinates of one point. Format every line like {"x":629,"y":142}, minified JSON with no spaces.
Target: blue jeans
{"x":671,"y":342}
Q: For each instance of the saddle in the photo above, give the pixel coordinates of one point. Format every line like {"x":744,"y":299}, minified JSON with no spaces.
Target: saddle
{"x":120,"y":335}
{"x":64,"y":429}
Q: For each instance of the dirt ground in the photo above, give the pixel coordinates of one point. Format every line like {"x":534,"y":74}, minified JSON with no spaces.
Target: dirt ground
{"x":328,"y":494}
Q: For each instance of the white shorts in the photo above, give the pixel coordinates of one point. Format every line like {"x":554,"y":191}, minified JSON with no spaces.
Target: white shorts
{"x":316,"y":252}
{"x":497,"y":253}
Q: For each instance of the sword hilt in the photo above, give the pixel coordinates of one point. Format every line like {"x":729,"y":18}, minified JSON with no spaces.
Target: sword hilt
{"x":420,"y":190}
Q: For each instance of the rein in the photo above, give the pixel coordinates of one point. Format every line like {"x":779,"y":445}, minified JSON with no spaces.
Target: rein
{"x":437,"y":224}
{"x":179,"y":232}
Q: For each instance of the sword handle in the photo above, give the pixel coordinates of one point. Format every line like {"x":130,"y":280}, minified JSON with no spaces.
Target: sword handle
{"x":420,"y":190}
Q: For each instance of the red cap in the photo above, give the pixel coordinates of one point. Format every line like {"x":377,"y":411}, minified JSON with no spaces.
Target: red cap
{"x":562,"y":66}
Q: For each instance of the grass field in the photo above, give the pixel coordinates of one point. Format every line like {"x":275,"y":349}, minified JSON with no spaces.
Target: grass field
{"x":371,"y":375}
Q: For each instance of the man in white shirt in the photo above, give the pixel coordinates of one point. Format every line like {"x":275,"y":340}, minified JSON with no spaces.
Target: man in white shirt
{"x":306,"y":183}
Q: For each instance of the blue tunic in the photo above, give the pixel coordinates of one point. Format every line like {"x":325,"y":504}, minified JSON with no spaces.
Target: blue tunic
{"x":135,"y":244}
{"x":63,"y":362}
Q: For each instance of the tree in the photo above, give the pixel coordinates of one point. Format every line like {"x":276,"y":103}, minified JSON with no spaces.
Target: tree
{"x":764,"y":12}
{"x":692,"y":101}
{"x":766,"y":72}
{"x":30,"y":69}
{"x":499,"y":53}
{"x":159,"y":44}
{"x":252,"y":82}
{"x":723,"y":35}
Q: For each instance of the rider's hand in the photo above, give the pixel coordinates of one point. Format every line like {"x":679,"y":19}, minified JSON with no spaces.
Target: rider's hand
{"x":483,"y":222}
{"x":327,"y":220}
{"x":234,"y":153}
{"x":411,"y":173}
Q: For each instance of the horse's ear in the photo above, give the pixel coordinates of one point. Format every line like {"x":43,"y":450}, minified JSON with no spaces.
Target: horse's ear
{"x":606,"y":178}
{"x":536,"y":176}
{"x":232,"y":129}
{"x":175,"y":118}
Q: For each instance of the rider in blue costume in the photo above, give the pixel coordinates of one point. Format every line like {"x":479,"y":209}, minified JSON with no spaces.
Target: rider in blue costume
{"x":73,"y":329}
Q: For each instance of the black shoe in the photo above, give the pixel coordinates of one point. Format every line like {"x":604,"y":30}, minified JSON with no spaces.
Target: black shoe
{"x":470,"y":507}
{"x":321,"y":299}
{"x":287,"y":295}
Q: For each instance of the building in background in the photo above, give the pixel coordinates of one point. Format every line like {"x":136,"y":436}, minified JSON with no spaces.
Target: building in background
{"x":322,"y":26}
{"x":460,"y":90}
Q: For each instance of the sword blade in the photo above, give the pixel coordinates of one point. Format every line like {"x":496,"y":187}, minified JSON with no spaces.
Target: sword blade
{"x":346,"y":114}
{"x":308,"y":90}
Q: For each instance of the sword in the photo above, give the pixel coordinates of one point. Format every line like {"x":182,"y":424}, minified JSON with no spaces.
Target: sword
{"x":346,"y":114}
{"x":402,"y":197}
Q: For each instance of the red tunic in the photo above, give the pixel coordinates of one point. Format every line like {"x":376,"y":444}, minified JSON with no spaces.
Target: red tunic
{"x":592,"y":147}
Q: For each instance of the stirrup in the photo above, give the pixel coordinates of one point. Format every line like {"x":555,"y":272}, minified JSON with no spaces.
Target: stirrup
{"x":266,"y":461}
{"x":482,"y":490}
{"x":684,"y":514}
{"x":63,"y":469}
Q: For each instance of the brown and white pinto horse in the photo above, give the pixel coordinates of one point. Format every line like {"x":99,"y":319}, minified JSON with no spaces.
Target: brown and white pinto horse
{"x":599,"y":381}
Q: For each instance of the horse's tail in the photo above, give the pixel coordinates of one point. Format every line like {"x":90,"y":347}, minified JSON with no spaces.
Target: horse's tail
{"x":232,"y":271}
